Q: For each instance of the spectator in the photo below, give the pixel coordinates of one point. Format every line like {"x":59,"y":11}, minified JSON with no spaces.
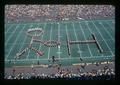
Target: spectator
{"x":20,"y":13}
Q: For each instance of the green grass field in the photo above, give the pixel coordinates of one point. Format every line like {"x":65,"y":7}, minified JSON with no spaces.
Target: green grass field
{"x":104,"y":30}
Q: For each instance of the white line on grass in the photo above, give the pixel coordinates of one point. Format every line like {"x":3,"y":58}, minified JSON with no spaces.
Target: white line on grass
{"x":103,"y":39}
{"x":8,"y":29}
{"x":8,"y":32}
{"x":59,"y":38}
{"x":15,"y":42}
{"x":67,"y":35}
{"x":107,"y":31}
{"x":30,"y":41}
{"x":23,"y":42}
{"x":90,"y":30}
{"x":109,"y":26}
{"x":11,"y":35}
{"x":42,"y":38}
{"x":13,"y":32}
{"x":76,"y":38}
{"x":85,"y":39}
{"x":50,"y":40}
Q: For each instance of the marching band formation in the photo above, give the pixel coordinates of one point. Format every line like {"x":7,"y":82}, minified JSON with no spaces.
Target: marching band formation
{"x":34,"y":33}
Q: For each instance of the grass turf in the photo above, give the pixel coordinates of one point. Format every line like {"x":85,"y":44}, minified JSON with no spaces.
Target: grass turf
{"x":104,"y":30}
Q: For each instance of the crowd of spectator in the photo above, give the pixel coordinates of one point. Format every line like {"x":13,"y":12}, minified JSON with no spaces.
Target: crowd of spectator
{"x":104,"y":73}
{"x":22,"y":13}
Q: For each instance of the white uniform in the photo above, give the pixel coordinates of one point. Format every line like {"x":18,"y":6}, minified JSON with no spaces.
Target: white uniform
{"x":58,"y":46}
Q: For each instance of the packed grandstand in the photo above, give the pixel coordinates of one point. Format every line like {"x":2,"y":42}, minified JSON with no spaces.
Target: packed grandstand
{"x":43,"y":13}
{"x":98,"y":71}
{"x":27,"y":13}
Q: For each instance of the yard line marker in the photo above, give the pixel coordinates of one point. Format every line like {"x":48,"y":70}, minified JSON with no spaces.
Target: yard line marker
{"x":68,"y":37}
{"x":15,"y":42}
{"x":107,"y":31}
{"x":42,"y":38}
{"x":76,"y":38}
{"x":103,"y":39}
{"x":59,"y":53}
{"x":50,"y":40}
{"x":11,"y":35}
{"x":85,"y":39}
{"x":59,"y":39}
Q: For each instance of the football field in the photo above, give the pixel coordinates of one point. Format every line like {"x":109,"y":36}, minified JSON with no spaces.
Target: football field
{"x":16,"y":40}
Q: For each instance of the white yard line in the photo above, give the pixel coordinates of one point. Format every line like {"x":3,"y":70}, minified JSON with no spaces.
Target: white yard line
{"x":15,"y":42}
{"x":8,"y":29}
{"x":68,"y":36}
{"x":103,"y":39}
{"x":23,"y":43}
{"x":90,"y":30}
{"x":107,"y":32}
{"x":41,"y":38}
{"x":85,"y":40}
{"x":110,"y":26}
{"x":11,"y":35}
{"x":59,"y":38}
{"x":30,"y":41}
{"x":50,"y":40}
{"x":13,"y":32}
{"x":76,"y":38}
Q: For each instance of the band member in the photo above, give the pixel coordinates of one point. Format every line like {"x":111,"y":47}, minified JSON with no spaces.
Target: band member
{"x":81,"y":59}
{"x":39,"y":53}
{"x":53,"y":59}
{"x":38,"y":63}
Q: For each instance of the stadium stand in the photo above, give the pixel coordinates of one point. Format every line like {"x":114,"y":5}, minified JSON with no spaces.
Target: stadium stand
{"x":37,"y":13}
{"x":104,"y":73}
{"x":41,"y":13}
